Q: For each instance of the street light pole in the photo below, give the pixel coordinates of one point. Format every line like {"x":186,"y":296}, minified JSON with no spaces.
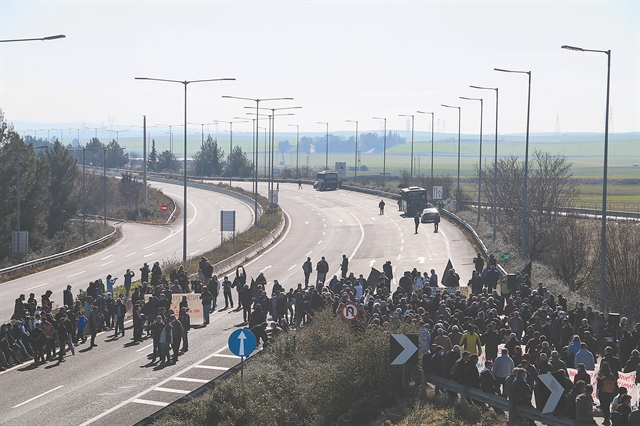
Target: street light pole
{"x":458,"y":190}
{"x":495,"y":163}
{"x":480,"y":155}
{"x":526,"y":165}
{"x":326,"y":155}
{"x":603,"y":232}
{"x":384,"y":150}
{"x":355,"y":163}
{"x":257,"y":101}
{"x":432,"y":122}
{"x":412,"y":122}
{"x":185,"y":84}
{"x":53,"y":37}
{"x":297,"y":148}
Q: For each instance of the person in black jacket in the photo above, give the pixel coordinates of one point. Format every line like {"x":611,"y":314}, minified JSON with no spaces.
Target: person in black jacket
{"x":257,"y":316}
{"x":489,"y":384}
{"x":246,"y":300}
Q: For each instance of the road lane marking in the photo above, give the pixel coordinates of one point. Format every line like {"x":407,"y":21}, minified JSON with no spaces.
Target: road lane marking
{"x":265,"y":268}
{"x":323,"y":233}
{"x":402,"y":241}
{"x":210,"y":367}
{"x":401,"y":248}
{"x":308,"y":254}
{"x":105,"y":264}
{"x":292,"y":267}
{"x":146,"y":347}
{"x":225,"y":356}
{"x":191,"y":254}
{"x":131,"y":254}
{"x":188,"y":379}
{"x":319,"y":241}
{"x":73,"y":275}
{"x":201,"y":238}
{"x":31,"y":288}
{"x":180,"y":391}
{"x":106,"y":257}
{"x":148,"y":402}
{"x":150,"y":254}
{"x":36,"y":397}
{"x":306,"y":223}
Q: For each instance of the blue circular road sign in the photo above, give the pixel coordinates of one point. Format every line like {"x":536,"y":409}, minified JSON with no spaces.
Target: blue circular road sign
{"x":242,"y":342}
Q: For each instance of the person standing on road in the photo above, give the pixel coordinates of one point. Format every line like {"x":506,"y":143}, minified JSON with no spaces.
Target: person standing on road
{"x":165,"y":340}
{"x":226,"y":289}
{"x":381,"y":207}
{"x":67,"y":297}
{"x":416,"y":221}
{"x":206,"y":298}
{"x":307,"y":268}
{"x":177,"y":337}
{"x":156,"y":332}
{"x":93,"y":325}
{"x":344,"y":266}
{"x":144,"y":273}
{"x":121,"y":311}
{"x":322,"y":268}
{"x":127,"y":282}
{"x":185,"y":321}
{"x":436,"y":222}
{"x":299,"y":184}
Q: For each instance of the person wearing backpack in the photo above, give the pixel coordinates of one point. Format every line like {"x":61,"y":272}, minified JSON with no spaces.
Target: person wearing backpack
{"x":607,"y":389}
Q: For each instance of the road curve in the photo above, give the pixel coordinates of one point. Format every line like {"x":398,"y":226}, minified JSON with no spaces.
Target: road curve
{"x":115,"y":383}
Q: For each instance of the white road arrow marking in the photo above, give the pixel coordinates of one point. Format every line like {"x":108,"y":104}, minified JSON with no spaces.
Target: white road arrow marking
{"x":408,"y":349}
{"x":371,"y":263}
{"x":265,"y":268}
{"x":421,"y":259}
{"x":556,"y":392}
{"x":242,"y":338}
{"x":306,"y":223}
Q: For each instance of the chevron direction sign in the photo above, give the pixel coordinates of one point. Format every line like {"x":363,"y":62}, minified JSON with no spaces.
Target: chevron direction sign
{"x":404,"y":349}
{"x":556,"y":391}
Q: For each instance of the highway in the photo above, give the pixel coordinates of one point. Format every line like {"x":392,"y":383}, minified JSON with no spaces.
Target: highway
{"x":138,"y":244}
{"x":115,"y":383}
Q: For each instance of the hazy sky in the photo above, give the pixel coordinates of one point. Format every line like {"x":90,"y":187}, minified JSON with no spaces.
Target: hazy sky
{"x":339,"y":60}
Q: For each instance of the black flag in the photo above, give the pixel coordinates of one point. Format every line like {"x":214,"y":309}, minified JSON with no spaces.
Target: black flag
{"x":372,"y":281}
{"x":527,"y":270}
{"x":443,"y":280}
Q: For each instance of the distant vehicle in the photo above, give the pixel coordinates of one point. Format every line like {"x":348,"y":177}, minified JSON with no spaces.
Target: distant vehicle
{"x":430,"y":215}
{"x":414,"y":200}
{"x":326,"y":180}
{"x":341,"y":169}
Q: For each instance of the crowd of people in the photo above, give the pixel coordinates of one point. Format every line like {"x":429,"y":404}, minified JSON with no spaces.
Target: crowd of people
{"x":524,"y":330}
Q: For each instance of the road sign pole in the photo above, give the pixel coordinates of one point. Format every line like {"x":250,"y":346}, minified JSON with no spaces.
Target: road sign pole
{"x":242,"y":369}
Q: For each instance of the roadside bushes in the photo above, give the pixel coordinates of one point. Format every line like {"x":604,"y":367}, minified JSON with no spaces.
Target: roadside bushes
{"x":324,"y":374}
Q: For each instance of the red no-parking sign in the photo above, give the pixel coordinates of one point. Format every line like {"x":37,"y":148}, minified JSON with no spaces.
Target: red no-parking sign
{"x":164,"y":208}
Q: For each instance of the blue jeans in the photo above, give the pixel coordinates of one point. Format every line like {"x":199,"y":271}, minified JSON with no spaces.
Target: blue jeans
{"x":205,"y":310}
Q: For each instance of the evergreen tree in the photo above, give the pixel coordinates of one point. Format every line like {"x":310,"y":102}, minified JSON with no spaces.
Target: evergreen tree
{"x":209,"y":159}
{"x":152,"y":158}
{"x":64,"y":201}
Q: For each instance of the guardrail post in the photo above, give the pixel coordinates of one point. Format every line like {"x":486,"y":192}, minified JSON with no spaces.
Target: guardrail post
{"x":463,"y":396}
{"x":512,"y":412}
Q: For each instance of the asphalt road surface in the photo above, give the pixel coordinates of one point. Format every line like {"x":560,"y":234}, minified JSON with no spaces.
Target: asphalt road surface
{"x":139,"y":244}
{"x":114,"y":383}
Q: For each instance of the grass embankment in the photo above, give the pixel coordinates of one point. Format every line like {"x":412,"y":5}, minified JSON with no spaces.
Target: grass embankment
{"x":94,"y":231}
{"x":325,"y":374}
{"x":267,"y":223}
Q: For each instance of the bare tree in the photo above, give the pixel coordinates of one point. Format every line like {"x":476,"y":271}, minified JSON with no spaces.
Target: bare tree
{"x":623,"y":268}
{"x":572,"y":251}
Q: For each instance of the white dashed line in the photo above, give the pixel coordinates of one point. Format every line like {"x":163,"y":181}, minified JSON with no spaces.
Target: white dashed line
{"x":106,"y":257}
{"x":150,"y":254}
{"x":105,"y":264}
{"x":319,"y":241}
{"x":210,"y":367}
{"x":180,"y":391}
{"x":292,"y":267}
{"x":188,"y":379}
{"x":36,"y":397}
{"x":73,"y":275}
{"x":201,"y":239}
{"x":131,"y":254}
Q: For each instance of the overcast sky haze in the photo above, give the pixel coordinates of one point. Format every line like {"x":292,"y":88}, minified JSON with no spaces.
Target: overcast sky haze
{"x":339,"y":60}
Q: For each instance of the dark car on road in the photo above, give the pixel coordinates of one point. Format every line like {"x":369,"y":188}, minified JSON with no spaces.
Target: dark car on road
{"x":430,"y":215}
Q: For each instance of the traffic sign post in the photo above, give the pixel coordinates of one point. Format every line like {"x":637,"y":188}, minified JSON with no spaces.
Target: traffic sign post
{"x":504,"y":257}
{"x":241,"y":343}
{"x":403,"y":350}
{"x":164,"y":208}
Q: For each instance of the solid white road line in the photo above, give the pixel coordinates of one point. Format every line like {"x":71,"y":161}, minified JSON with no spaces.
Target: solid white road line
{"x":189,"y":379}
{"x":36,"y":397}
{"x":211,"y":367}
{"x":146,"y":401}
{"x":225,"y":356}
{"x":180,"y":391}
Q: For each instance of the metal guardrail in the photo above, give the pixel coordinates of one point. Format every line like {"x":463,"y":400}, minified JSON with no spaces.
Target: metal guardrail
{"x":498,"y":402}
{"x":56,"y":256}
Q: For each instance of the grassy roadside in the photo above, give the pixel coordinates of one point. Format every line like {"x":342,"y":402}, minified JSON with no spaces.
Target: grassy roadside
{"x":70,"y":258}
